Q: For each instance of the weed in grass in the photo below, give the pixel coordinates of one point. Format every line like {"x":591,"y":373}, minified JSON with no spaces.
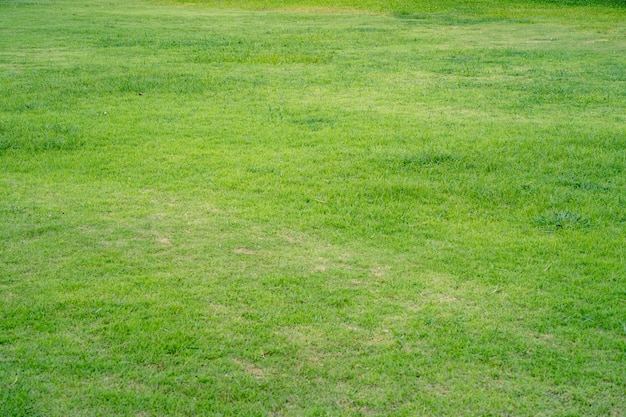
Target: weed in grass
{"x":564,"y":220}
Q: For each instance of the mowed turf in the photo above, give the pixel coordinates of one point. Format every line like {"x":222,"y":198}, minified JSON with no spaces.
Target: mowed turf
{"x":306,"y":209}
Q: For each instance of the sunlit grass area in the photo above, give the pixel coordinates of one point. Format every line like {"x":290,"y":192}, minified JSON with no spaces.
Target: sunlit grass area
{"x":312,"y":208}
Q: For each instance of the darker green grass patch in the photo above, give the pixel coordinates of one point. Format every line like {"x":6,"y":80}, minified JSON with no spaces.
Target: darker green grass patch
{"x":314,"y":123}
{"x":416,"y":161}
{"x":37,"y":138}
{"x":406,"y":15}
{"x":564,"y":219}
{"x":582,"y":184}
{"x":15,"y":397}
{"x":427,"y":159}
{"x":17,"y":3}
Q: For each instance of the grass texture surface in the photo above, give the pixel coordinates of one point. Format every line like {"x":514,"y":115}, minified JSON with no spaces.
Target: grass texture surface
{"x":281,"y":209}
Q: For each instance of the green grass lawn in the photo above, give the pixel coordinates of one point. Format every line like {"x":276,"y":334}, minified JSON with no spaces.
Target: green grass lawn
{"x":257,"y":209}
